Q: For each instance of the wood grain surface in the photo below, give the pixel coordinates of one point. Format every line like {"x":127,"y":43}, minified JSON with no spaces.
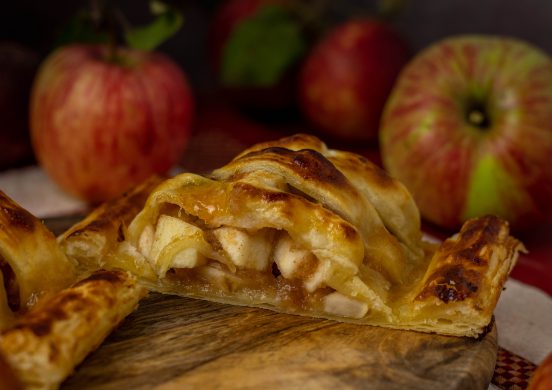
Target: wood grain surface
{"x":181,"y":343}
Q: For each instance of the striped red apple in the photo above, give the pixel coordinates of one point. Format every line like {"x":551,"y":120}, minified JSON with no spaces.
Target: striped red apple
{"x":102,"y":123}
{"x":468,"y":129}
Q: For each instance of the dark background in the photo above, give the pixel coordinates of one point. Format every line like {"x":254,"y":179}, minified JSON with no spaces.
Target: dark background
{"x":36,"y":23}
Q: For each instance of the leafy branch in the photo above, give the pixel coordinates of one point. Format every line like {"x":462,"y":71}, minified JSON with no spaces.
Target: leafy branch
{"x":104,"y":22}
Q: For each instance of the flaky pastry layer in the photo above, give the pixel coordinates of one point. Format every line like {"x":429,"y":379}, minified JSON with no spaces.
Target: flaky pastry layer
{"x":296,"y":227}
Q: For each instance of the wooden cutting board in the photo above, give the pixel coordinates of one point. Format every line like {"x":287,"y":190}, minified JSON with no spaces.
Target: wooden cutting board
{"x":180,"y":343}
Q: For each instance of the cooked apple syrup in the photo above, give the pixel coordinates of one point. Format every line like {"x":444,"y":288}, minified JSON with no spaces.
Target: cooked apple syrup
{"x":265,"y":265}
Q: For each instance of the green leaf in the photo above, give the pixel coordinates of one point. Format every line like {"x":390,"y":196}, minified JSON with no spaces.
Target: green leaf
{"x":262,"y":48}
{"x":81,"y":28}
{"x":148,"y":37}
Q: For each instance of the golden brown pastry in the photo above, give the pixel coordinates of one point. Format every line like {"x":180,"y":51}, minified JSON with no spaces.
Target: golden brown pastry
{"x":47,"y":327}
{"x":90,"y":240}
{"x":465,"y":277}
{"x":9,"y":380}
{"x":47,"y":343}
{"x":31,"y":263}
{"x":299,"y":228}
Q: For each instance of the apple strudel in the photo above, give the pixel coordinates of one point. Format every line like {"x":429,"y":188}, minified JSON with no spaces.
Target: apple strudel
{"x":296,"y":227}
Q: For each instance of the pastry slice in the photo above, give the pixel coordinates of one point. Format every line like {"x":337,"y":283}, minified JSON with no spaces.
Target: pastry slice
{"x":49,"y":341}
{"x":52,"y":312}
{"x":88,"y":242}
{"x":462,"y":284}
{"x":299,"y":228}
{"x":31,"y":262}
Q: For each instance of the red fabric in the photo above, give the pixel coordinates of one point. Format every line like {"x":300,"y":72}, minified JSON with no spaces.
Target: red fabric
{"x":535,"y":267}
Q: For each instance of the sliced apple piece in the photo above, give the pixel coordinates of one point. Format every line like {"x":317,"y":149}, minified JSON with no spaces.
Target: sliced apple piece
{"x":168,"y":230}
{"x":188,"y":258}
{"x":146,"y":240}
{"x":344,"y":306}
{"x":295,"y":262}
{"x":176,"y":244}
{"x":245,"y":250}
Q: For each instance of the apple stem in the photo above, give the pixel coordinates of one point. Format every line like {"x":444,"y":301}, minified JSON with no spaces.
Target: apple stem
{"x":112,"y":44}
{"x":111,"y":51}
{"x":476,"y":117}
{"x":104,"y":12}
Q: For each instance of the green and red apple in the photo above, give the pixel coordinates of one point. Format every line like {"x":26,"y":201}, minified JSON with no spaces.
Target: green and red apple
{"x":346,"y":79}
{"x":468,"y":129}
{"x":101,"y":123}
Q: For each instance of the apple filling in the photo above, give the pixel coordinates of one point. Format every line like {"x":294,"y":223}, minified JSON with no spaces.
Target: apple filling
{"x":266,"y":265}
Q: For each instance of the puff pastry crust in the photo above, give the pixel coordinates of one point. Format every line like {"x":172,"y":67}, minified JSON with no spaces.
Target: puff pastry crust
{"x":53,"y":312}
{"x":31,"y":262}
{"x":47,"y":343}
{"x":90,"y":240}
{"x":299,"y":228}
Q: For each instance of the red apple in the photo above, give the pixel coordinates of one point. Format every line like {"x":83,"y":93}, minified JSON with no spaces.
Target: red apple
{"x":347,"y":77}
{"x":99,"y":125}
{"x":542,"y":377}
{"x":468,"y":129}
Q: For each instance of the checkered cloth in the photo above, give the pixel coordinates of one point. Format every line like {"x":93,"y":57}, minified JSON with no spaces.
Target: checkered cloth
{"x":524,"y":322}
{"x":512,"y":372}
